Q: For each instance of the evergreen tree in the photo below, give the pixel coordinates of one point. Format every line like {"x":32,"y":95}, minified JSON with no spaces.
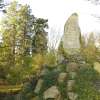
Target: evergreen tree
{"x":16,"y":30}
{"x":39,"y":40}
{"x":2,"y":6}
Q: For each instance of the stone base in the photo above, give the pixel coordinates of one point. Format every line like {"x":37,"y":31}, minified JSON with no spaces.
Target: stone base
{"x":72,"y":51}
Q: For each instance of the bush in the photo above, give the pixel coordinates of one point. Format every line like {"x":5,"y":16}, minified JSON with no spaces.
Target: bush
{"x":37,"y":63}
{"x":51,"y":59}
{"x":84,"y":84}
{"x":63,"y":89}
{"x":50,"y":79}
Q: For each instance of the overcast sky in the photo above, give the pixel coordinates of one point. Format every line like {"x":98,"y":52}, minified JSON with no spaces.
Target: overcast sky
{"x":58,"y":11}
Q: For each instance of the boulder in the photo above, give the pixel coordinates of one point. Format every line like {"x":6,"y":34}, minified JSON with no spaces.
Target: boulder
{"x":38,"y":86}
{"x":62,"y":77}
{"x":72,"y":35}
{"x":52,"y":93}
{"x":72,"y":96}
{"x":70,"y":85}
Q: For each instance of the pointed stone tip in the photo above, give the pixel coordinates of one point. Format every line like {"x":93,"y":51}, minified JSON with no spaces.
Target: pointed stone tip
{"x":73,"y":17}
{"x":74,"y":14}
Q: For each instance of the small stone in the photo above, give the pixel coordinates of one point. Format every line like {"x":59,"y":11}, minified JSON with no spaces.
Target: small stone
{"x":70,"y":85}
{"x":72,"y":96}
{"x":52,"y":93}
{"x":62,"y":77}
{"x":38,"y":86}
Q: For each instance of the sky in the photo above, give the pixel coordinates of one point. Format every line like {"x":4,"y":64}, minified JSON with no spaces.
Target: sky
{"x":58,"y":11}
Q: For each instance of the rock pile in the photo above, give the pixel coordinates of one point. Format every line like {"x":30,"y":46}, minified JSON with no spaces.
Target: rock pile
{"x":54,"y":91}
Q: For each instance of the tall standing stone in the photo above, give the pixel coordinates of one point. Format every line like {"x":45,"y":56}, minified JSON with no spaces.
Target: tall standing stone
{"x":72,"y":33}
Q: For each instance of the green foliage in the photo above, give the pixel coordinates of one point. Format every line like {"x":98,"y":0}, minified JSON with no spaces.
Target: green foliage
{"x":89,"y":51}
{"x":39,"y":40}
{"x":27,"y":92}
{"x":38,"y":62}
{"x":17,"y":75}
{"x":2,"y":5}
{"x":51,"y":59}
{"x":63,"y":90}
{"x":61,"y":50}
{"x":15,"y":32}
{"x":39,"y":25}
{"x":84,"y":84}
{"x":50,"y":79}
{"x":62,"y":67}
{"x":3,"y":72}
{"x":23,"y":53}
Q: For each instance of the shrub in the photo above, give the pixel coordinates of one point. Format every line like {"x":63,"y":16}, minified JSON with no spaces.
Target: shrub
{"x":84,"y":84}
{"x":37,"y":62}
{"x":50,"y":79}
{"x":50,"y":59}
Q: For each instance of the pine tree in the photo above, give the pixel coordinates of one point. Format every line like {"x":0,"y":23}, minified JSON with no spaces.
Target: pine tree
{"x":39,"y":40}
{"x":16,"y":32}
